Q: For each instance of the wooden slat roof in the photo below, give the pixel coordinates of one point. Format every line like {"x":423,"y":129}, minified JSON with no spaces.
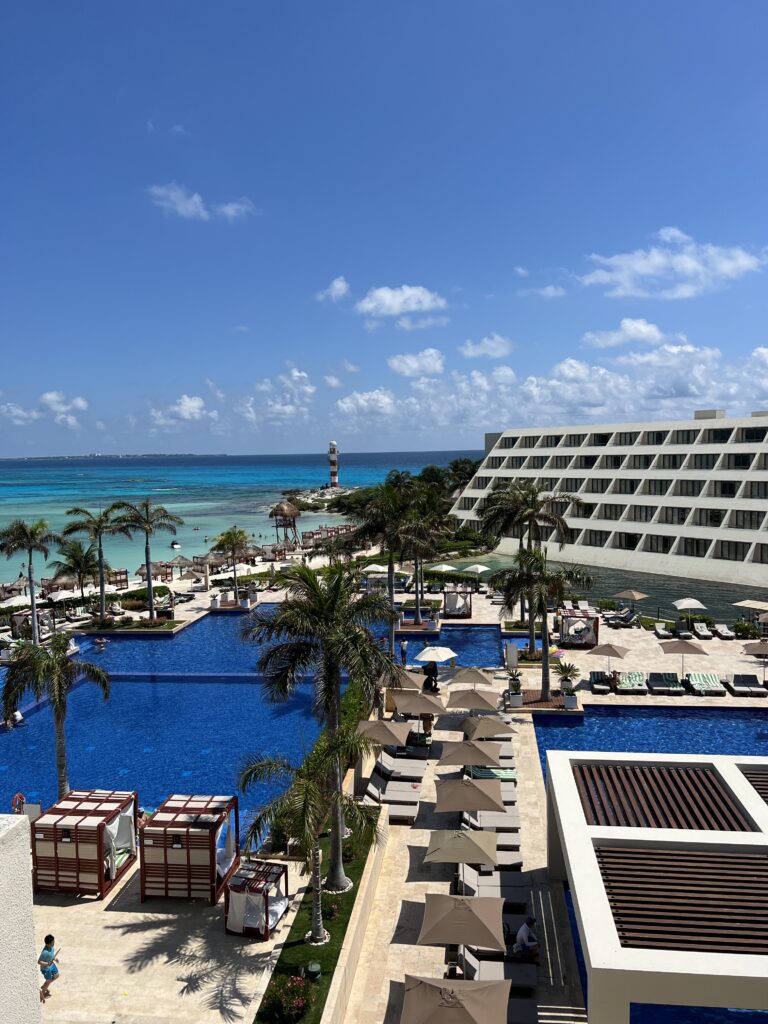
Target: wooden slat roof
{"x":758,"y":776}
{"x":706,"y":901}
{"x":658,"y":796}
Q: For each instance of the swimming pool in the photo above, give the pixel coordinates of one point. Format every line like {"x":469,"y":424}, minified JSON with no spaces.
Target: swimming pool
{"x":165,"y":737}
{"x":664,"y":730}
{"x":478,"y":646}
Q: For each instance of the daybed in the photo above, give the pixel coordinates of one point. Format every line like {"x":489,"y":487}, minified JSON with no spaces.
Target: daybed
{"x":85,"y":843}
{"x":705,"y":684}
{"x":523,"y":975}
{"x":701,"y":631}
{"x":631,"y":682}
{"x":745,"y":685}
{"x":256,"y":898}
{"x":190,"y":847}
{"x":600,"y":682}
{"x":665,"y":683}
{"x":722,"y":632}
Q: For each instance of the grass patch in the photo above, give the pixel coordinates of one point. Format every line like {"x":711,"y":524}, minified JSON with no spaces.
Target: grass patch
{"x":296,"y":953}
{"x":159,"y":626}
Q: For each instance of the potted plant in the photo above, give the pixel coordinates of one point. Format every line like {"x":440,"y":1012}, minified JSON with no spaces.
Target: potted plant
{"x":514,"y":689}
{"x":568,"y":673}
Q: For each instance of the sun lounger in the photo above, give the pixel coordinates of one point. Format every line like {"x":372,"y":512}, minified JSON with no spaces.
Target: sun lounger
{"x":705,"y":684}
{"x":665,"y":683}
{"x":393,"y":792}
{"x":522,"y":975}
{"x":722,"y":632}
{"x":745,"y":685}
{"x":683,"y":633}
{"x":405,"y":768}
{"x":493,"y":821}
{"x":398,"y":812}
{"x":599,"y":682}
{"x":661,"y":631}
{"x":584,"y":606}
{"x":481,"y":772}
{"x":497,"y":598}
{"x":701,"y":631}
{"x":631,"y":682}
{"x":610,"y":617}
{"x":506,"y":885}
{"x":568,"y":605}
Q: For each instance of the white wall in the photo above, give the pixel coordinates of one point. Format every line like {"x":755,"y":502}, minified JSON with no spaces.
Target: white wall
{"x":20,"y":979}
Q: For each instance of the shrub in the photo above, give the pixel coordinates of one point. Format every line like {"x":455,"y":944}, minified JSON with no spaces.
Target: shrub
{"x":331,"y":901}
{"x":287,"y":999}
{"x":747,"y":630}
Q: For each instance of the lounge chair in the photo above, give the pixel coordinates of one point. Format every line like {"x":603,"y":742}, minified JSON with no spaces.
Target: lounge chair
{"x":701,"y":631}
{"x":745,"y":685}
{"x":410,"y":769}
{"x":682,"y":632}
{"x":705,"y":684}
{"x":665,"y":683}
{"x":584,"y":606}
{"x":722,"y":632}
{"x":497,"y":598}
{"x":600,"y":682}
{"x":610,"y":617}
{"x":631,"y":682}
{"x":661,"y":631}
{"x":393,"y":792}
{"x":493,"y":821}
{"x":502,"y":774}
{"x":508,"y":885}
{"x":568,"y":605}
{"x":522,"y":975}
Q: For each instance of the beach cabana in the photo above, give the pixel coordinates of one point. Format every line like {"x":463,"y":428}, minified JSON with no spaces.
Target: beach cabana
{"x":85,"y":843}
{"x":190,"y":847}
{"x":256,"y":898}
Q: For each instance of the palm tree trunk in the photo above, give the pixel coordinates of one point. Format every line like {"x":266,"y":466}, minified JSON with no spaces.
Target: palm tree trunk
{"x":102,"y":589}
{"x":32,"y":599}
{"x":150,"y":592}
{"x":234,"y":574}
{"x":62,"y":775}
{"x":391,"y":591}
{"x":417,"y":612}
{"x":531,"y":626}
{"x":318,"y":931}
{"x":545,"y":687}
{"x":336,"y":878}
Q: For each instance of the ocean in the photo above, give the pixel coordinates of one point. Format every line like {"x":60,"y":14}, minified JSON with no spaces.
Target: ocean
{"x":210,"y":492}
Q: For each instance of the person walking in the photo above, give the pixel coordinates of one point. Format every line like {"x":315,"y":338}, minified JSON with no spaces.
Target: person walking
{"x":47,"y":961}
{"x":403,"y":651}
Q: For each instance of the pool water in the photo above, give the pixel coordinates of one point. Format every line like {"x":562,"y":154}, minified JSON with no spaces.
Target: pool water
{"x":478,"y":646}
{"x":160,"y":738}
{"x":665,"y":730}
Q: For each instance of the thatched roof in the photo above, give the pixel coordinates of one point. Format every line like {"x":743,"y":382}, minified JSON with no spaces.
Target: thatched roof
{"x":285,"y":510}
{"x":181,"y":560}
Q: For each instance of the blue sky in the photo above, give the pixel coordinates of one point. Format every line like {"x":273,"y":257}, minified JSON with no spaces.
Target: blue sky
{"x":250,"y":227}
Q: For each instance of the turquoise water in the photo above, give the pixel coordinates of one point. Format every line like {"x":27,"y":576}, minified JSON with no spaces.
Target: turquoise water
{"x":210,"y":492}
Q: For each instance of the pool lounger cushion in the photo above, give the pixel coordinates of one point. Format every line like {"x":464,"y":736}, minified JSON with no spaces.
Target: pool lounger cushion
{"x":475,"y":966}
{"x":631,"y":682}
{"x":665,"y":683}
{"x":705,"y":684}
{"x":743,"y":685}
{"x":600,"y":682}
{"x":723,"y":632}
{"x":481,"y":772}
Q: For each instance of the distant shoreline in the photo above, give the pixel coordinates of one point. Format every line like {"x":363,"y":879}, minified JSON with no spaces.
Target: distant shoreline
{"x":99,"y":456}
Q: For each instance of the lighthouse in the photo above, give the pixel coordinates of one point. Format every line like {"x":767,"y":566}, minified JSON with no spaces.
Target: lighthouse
{"x":333,"y":461}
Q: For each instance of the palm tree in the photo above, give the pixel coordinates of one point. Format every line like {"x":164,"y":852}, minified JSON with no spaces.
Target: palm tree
{"x":50,"y":672}
{"x":96,"y":526}
{"x":532,"y":575}
{"x":234,"y":542}
{"x":302,"y":810}
{"x":422,"y":524}
{"x":28,"y":538}
{"x":322,"y":628}
{"x":78,"y":562}
{"x":147,"y":518}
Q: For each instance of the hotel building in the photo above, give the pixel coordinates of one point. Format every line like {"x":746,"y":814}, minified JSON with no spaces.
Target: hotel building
{"x":679,"y":497}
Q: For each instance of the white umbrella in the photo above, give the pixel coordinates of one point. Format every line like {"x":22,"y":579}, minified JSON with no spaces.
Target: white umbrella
{"x":15,"y":602}
{"x":64,"y":595}
{"x":689,"y":604}
{"x":442,"y":567}
{"x":436,"y":654}
{"x":375,"y":568}
{"x":476,"y":568}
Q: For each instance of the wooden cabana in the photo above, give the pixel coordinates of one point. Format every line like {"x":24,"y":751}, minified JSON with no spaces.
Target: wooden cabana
{"x":85,"y":843}
{"x":190,"y":847}
{"x":256,"y":898}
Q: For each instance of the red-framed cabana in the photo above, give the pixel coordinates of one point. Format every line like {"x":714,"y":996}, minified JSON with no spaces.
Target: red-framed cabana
{"x":255,"y":898}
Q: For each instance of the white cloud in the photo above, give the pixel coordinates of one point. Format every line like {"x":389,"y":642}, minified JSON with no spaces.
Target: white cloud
{"x":549,"y":291}
{"x":676,"y":268}
{"x":421,"y":323}
{"x":186,"y":409}
{"x":376,"y":404}
{"x":100,"y":425}
{"x":407,"y":298}
{"x":236,"y":209}
{"x":417,"y":364}
{"x":520,"y":271}
{"x":19,"y":416}
{"x":332,"y":380}
{"x":288,"y":397}
{"x":214,"y":388}
{"x":178,"y":129}
{"x":349,"y":367}
{"x":177,"y":199}
{"x":493,"y":345}
{"x":371,"y":325}
{"x":336,"y":290}
{"x":63,"y":409}
{"x":628,"y":331}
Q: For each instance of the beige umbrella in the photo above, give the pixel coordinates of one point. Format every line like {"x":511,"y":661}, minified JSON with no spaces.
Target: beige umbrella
{"x":755,"y":606}
{"x":609,"y":651}
{"x":474,"y":700}
{"x":468,"y":795}
{"x":463,"y":921}
{"x":448,"y":1001}
{"x":469,"y":677}
{"x":630,"y":595}
{"x":486,"y":727}
{"x":462,"y":846}
{"x":385,"y":733}
{"x":471,"y":752}
{"x":758,"y":650}
{"x":682,"y":647}
{"x":406,"y":680}
{"x":410,"y":702}
{"x":181,"y":560}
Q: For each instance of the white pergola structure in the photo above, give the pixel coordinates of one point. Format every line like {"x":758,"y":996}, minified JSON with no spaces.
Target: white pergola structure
{"x":666,"y":857}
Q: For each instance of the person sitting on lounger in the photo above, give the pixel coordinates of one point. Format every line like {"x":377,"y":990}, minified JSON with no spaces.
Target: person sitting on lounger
{"x":526,"y":941}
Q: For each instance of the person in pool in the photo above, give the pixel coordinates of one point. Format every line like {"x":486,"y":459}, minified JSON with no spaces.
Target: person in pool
{"x":47,"y":962}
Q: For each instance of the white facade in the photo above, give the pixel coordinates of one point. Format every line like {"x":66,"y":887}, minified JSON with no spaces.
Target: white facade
{"x":619,"y":976}
{"x":679,"y":497}
{"x":20,"y":977}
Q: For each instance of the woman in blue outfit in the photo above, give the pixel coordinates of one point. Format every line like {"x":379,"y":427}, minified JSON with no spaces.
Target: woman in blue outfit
{"x":47,"y":963}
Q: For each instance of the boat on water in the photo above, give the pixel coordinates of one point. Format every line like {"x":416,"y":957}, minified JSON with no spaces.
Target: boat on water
{"x":175,"y":545}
